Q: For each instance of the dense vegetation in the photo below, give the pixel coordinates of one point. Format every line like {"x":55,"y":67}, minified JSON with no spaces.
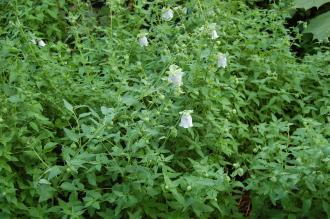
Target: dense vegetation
{"x":91,"y":111}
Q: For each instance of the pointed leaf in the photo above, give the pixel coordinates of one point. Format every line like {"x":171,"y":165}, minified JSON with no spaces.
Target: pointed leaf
{"x":68,"y":106}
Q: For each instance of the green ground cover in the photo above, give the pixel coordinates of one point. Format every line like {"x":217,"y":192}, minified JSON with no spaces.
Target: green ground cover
{"x":160,"y":109}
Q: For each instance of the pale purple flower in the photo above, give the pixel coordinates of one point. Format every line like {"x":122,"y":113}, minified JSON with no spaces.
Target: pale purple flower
{"x":186,"y":119}
{"x":143,"y":41}
{"x":167,"y":15}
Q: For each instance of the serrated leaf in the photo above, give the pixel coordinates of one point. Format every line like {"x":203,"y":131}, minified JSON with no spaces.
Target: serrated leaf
{"x":46,"y":192}
{"x":53,"y":172}
{"x":71,"y":135}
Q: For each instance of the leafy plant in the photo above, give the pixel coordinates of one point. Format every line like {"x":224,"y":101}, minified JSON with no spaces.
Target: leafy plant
{"x":320,"y":25}
{"x":90,"y":122}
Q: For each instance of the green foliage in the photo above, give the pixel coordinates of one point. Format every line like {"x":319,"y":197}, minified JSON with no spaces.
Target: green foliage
{"x":320,"y":25}
{"x":89,"y":124}
{"x":307,"y":4}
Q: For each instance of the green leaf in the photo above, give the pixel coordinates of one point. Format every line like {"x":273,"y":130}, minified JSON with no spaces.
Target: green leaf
{"x":44,"y":181}
{"x":50,"y":146}
{"x":310,"y":185}
{"x":105,"y":110}
{"x":307,"y":203}
{"x":326,"y":207}
{"x":68,"y":106}
{"x":68,"y":186}
{"x":83,"y":115}
{"x":46,"y":192}
{"x":307,"y":4}
{"x":34,"y":126}
{"x":15,"y":99}
{"x":91,"y":178}
{"x":53,"y":172}
{"x":320,"y":27}
{"x":53,"y":13}
{"x":71,"y":135}
{"x":129,"y":100}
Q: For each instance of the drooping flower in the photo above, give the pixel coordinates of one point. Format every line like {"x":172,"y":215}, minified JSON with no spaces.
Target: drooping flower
{"x":41,"y":43}
{"x":175,"y":75}
{"x":222,"y":60}
{"x":213,"y":31}
{"x":167,"y":15}
{"x":143,"y":41}
{"x":186,"y":119}
{"x":214,"y":34}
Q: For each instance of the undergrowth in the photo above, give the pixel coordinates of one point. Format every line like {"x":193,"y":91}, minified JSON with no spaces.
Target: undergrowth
{"x":90,"y":123}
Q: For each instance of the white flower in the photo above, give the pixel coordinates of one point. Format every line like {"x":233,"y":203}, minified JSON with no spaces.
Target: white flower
{"x":175,"y":75}
{"x":213,"y":31}
{"x":167,"y":15}
{"x":222,"y":60}
{"x":214,"y":34}
{"x":186,"y":120}
{"x":143,"y":41}
{"x":41,"y":43}
{"x":33,"y":41}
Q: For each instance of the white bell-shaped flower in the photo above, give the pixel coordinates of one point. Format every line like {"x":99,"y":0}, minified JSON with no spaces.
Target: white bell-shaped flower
{"x":143,"y":41}
{"x":222,"y":60}
{"x":175,"y":75}
{"x":214,"y":34}
{"x":167,"y":15}
{"x":41,"y":43}
{"x":212,"y":30}
{"x":186,"y":119}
